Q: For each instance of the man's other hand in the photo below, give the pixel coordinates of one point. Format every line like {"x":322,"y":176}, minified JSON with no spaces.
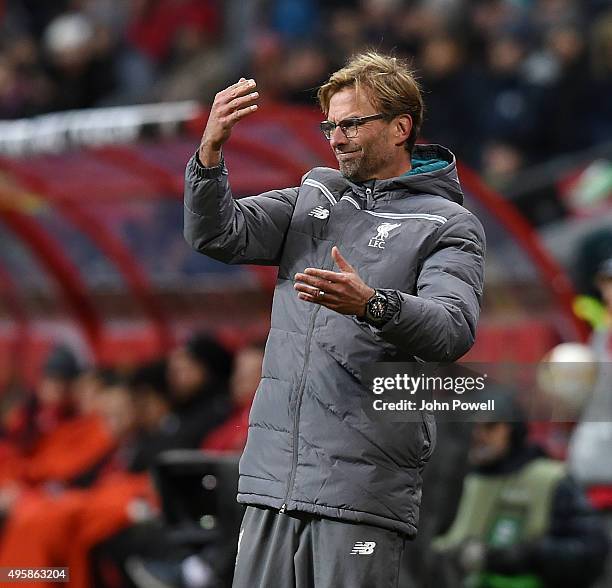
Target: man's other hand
{"x":343,"y":291}
{"x":230,"y":106}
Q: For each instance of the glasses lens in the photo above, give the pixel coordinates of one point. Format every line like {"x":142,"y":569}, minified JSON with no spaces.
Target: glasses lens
{"x":349,"y":129}
{"x":327,"y":128}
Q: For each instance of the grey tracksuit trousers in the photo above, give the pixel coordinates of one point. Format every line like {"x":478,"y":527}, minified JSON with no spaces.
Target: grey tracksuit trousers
{"x":298,"y":550}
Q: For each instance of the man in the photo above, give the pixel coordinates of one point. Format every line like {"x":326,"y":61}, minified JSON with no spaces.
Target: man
{"x":60,"y":528}
{"x":332,"y":495}
{"x":589,"y":455}
{"x":590,"y":447}
{"x":603,"y":279}
{"x":522,"y":522}
{"x":197,"y":373}
{"x":231,"y":435}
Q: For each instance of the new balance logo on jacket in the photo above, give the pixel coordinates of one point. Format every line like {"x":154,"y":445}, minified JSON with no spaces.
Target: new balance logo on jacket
{"x":319,"y":212}
{"x":363,"y":548}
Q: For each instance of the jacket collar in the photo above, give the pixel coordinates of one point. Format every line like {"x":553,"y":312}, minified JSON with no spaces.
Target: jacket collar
{"x":434,"y":171}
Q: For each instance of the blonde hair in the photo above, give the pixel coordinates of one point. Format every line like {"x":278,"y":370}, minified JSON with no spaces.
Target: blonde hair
{"x":388,"y":82}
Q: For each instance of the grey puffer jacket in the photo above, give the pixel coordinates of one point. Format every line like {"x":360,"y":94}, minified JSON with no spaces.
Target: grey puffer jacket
{"x":310,"y":446}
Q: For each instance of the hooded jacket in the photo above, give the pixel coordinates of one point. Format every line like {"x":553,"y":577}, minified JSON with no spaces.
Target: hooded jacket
{"x":310,"y":446}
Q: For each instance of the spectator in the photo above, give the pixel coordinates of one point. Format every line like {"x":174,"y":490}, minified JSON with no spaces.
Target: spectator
{"x":160,"y":426}
{"x":304,"y":70}
{"x":345,"y":33}
{"x":156,"y":425}
{"x":590,"y":454}
{"x":12,"y":90}
{"x":198,"y":372}
{"x":60,"y":529}
{"x":600,"y":83}
{"x":203,"y":569}
{"x":604,"y":283}
{"x":73,"y":453}
{"x":442,"y":485}
{"x":295,"y":20}
{"x":378,"y":18}
{"x":69,"y":455}
{"x":509,"y":105}
{"x":452,"y":95}
{"x":149,"y":387}
{"x":155,"y":24}
{"x":521,"y":520}
{"x":196,"y":62}
{"x":80,"y":66}
{"x":51,"y":404}
{"x":500,"y":163}
{"x":156,"y":429}
{"x":567,"y":93}
{"x":232,"y":434}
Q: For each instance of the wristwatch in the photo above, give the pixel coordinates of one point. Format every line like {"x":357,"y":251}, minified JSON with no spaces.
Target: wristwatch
{"x":376,"y":309}
{"x":381,"y":308}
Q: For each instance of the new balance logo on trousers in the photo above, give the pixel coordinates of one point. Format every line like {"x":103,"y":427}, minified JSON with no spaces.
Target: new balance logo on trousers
{"x":300,"y":550}
{"x":363,"y":548}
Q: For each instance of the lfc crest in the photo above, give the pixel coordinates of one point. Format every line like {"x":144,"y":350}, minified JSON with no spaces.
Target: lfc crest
{"x":382,"y":233}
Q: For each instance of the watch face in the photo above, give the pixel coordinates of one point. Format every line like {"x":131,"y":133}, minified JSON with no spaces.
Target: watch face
{"x":377,"y":307}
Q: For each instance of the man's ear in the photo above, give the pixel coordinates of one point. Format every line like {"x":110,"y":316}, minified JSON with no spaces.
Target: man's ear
{"x":403,"y":127}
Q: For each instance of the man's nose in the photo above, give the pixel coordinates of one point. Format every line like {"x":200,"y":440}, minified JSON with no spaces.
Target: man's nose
{"x":337,"y":138}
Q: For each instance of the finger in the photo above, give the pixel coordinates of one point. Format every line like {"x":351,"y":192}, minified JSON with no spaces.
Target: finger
{"x":324,"y":274}
{"x":315,"y":282}
{"x":240,"y":114}
{"x":231,"y":92}
{"x":239,"y":83}
{"x":344,"y":265}
{"x":241,"y":102}
{"x":239,"y":89}
{"x":329,"y":295}
{"x":315,"y":288}
{"x":308,"y":298}
{"x":324,"y":301}
{"x":309,"y":290}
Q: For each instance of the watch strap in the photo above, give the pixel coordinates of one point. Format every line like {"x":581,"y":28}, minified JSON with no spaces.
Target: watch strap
{"x":394,"y":304}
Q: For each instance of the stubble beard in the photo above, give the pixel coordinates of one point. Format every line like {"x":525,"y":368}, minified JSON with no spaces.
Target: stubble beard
{"x":350,"y":169}
{"x":365,"y":167}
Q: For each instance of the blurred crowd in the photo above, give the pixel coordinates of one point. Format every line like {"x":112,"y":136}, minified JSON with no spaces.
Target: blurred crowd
{"x":77,"y":453}
{"x":508,"y":82}
{"x":512,"y":503}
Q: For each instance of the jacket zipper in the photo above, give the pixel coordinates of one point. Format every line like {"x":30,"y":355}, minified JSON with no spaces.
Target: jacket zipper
{"x":296,"y":415}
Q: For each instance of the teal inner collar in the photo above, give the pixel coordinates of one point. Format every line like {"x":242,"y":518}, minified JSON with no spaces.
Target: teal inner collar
{"x":422,"y":166}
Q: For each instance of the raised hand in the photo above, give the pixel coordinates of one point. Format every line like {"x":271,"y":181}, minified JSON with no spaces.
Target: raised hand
{"x":343,"y":291}
{"x":230,"y":106}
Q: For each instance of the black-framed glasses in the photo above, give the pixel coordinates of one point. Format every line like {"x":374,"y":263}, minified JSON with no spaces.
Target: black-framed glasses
{"x":349,"y":126}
